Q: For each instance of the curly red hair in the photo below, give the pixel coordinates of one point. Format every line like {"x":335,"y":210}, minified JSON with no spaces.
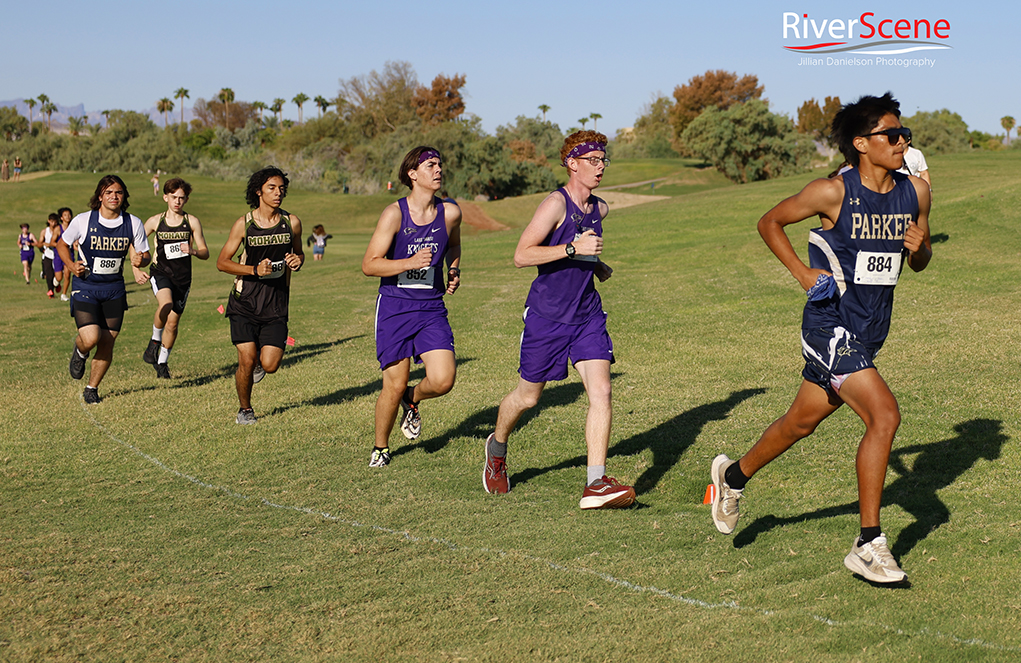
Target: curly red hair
{"x":579,"y":137}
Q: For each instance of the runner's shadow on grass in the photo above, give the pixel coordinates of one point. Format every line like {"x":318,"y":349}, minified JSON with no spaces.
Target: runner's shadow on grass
{"x":667,"y":441}
{"x":939,"y":238}
{"x":349,"y":393}
{"x":938,"y":466}
{"x":301,"y":354}
{"x":481,"y":424}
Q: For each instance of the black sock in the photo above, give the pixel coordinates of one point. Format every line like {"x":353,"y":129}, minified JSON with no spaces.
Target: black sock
{"x":734,"y":477}
{"x":869,"y":533}
{"x":409,"y":393}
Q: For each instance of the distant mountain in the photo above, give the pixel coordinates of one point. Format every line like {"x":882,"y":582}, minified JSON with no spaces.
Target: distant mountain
{"x":60,"y":117}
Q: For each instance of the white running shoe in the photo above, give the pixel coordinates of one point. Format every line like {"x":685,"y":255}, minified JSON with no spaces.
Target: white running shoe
{"x":725,"y":506}
{"x":874,"y":561}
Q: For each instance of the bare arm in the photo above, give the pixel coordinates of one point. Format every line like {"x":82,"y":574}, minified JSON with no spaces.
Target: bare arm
{"x":819,"y":198}
{"x":375,"y":262}
{"x":225,"y":261}
{"x":141,"y":278}
{"x":916,"y":237}
{"x":296,"y":258}
{"x":549,"y":215}
{"x":452,"y":214}
{"x":200,"y":250}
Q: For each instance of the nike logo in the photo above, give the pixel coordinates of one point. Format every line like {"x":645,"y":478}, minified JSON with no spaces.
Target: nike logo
{"x":435,"y":230}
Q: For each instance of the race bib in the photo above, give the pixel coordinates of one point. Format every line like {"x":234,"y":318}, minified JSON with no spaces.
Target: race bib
{"x":420,"y":279}
{"x":106,"y":266}
{"x":580,"y":258}
{"x":174,"y":250}
{"x":278,"y":270}
{"x":874,"y":268}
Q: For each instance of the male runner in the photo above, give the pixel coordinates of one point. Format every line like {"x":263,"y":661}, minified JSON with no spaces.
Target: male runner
{"x":64,"y":276}
{"x":407,"y":250}
{"x":564,"y":319}
{"x":98,"y":298}
{"x":270,"y":242}
{"x":170,"y":273}
{"x":873,"y":219}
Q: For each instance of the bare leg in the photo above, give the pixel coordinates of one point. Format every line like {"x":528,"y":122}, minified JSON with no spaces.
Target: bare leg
{"x":104,"y":356}
{"x":524,"y":397}
{"x":395,"y":381}
{"x":440,"y":372}
{"x":243,"y":377}
{"x":595,"y":375}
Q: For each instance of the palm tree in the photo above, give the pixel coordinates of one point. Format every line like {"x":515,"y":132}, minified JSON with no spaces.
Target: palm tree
{"x":543,"y":108}
{"x":227,"y":97}
{"x":595,"y":120}
{"x":300,"y":99}
{"x":106,"y":114}
{"x":278,"y":108}
{"x":583,"y":121}
{"x":31,"y":104}
{"x":76,"y":124}
{"x":323,"y":104}
{"x":181,"y":94}
{"x":164,"y":106}
{"x":49,"y":108}
{"x":1007,"y":122}
{"x":259,"y":106}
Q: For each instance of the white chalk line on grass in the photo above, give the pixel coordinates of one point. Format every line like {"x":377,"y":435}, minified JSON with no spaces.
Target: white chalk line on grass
{"x":612,"y":580}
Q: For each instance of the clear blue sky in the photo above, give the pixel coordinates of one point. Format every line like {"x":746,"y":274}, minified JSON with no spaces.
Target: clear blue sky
{"x":604,"y":57}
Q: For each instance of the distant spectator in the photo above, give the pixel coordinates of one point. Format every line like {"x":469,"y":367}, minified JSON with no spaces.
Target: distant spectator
{"x":5,"y":171}
{"x":317,"y":240}
{"x":17,"y":169}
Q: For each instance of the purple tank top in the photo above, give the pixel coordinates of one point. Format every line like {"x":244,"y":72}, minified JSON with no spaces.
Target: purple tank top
{"x":410,"y":239}
{"x":565,"y":291}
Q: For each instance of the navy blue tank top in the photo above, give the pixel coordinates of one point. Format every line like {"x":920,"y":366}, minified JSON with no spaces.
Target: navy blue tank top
{"x":410,"y":239}
{"x":864,"y":251}
{"x":565,"y":291}
{"x":104,"y":250}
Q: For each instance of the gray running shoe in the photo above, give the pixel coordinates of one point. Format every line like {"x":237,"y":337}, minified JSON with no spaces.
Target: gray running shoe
{"x":725,"y":505}
{"x":77,"y":366}
{"x":91,"y":396}
{"x":246,"y":416}
{"x":873,"y":561}
{"x":258,"y":373}
{"x":411,"y":421}
{"x":152,"y":351}
{"x":162,"y":371}
{"x":380,"y":457}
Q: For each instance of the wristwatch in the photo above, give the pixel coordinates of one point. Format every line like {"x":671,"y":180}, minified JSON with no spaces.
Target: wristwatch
{"x":453,"y":270}
{"x":569,"y":247}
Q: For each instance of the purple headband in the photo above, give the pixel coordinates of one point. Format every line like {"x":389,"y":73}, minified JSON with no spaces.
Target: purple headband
{"x":584,"y":148}
{"x":428,"y":154}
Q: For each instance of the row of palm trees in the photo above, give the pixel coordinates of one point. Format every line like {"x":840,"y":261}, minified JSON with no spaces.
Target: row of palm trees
{"x":46,"y":107}
{"x":595,"y":117}
{"x":226,"y":97}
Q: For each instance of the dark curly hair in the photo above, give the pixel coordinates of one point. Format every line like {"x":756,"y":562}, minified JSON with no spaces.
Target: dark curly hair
{"x":857,"y":119}
{"x":259,"y":178}
{"x":103,"y":185}
{"x":176,"y":183}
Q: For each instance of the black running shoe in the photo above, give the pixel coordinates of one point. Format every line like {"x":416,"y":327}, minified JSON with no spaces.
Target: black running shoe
{"x":91,"y":396}
{"x":152,"y":352}
{"x":162,"y":371}
{"x":77,"y":367}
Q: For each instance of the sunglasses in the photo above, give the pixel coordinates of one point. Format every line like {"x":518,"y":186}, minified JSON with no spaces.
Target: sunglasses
{"x":892,"y":135}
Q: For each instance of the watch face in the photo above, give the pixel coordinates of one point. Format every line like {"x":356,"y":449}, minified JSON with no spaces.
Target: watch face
{"x":570,"y":250}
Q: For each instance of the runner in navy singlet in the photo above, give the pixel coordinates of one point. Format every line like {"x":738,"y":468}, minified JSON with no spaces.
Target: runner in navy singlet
{"x":873,"y":221}
{"x":105,"y":236}
{"x":412,"y":240}
{"x":178,"y":237}
{"x":564,"y":319}
{"x":263,"y":248}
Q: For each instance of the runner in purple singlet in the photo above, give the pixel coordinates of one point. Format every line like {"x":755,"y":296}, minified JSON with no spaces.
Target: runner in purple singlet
{"x":413,"y":238}
{"x":564,"y":319}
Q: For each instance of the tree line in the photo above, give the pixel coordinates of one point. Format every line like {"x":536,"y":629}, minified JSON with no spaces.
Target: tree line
{"x":357,"y":138}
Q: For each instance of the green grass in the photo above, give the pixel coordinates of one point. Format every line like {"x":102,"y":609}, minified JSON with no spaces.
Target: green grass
{"x":150,"y":527}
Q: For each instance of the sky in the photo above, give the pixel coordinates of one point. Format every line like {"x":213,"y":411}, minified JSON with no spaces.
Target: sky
{"x":610,"y":58}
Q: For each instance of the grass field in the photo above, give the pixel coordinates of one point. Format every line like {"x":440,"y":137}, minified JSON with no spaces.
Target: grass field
{"x":151,"y":527}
